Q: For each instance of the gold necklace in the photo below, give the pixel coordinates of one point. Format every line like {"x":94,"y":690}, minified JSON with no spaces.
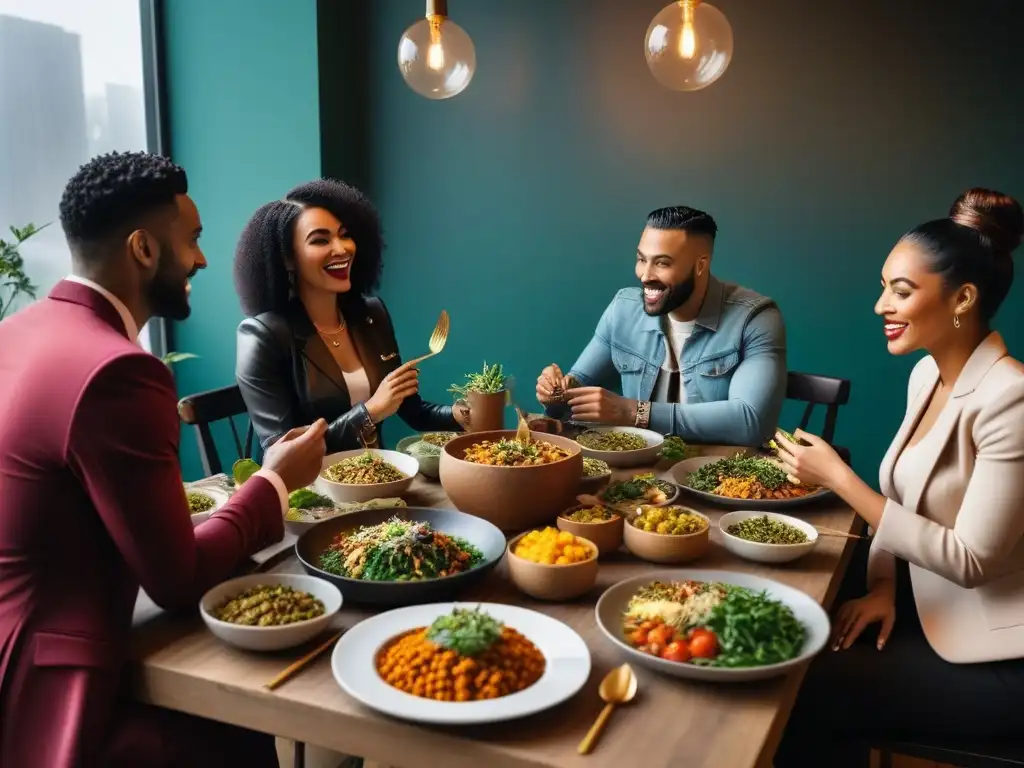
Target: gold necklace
{"x":328,"y":335}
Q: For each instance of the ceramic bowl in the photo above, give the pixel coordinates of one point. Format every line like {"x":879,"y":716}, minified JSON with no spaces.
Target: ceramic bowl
{"x":270,"y":638}
{"x":670,"y":496}
{"x":638,"y":458}
{"x":299,"y":527}
{"x":430,"y":466}
{"x":666,"y":548}
{"x":481,"y":534}
{"x":343,"y":492}
{"x":606,"y":535}
{"x":552,"y":582}
{"x":766,"y":553}
{"x":613,"y":603}
{"x":513,"y":498}
{"x":219,"y":496}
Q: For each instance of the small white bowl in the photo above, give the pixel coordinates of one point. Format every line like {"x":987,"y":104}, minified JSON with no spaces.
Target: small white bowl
{"x":637,"y":458}
{"x":270,"y":638}
{"x":766,"y":553}
{"x":342,"y":492}
{"x":219,"y":496}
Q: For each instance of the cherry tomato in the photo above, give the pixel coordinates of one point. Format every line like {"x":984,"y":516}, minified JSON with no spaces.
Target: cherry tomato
{"x":676,"y":651}
{"x":661,"y":635}
{"x":703,"y":644}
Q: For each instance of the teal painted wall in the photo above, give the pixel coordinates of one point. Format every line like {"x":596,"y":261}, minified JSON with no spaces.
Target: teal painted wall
{"x":518,"y":204}
{"x":244,"y":122}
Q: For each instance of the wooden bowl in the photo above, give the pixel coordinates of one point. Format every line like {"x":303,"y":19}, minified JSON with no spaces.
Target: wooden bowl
{"x":553,"y":582}
{"x":513,"y":498}
{"x":606,"y":535}
{"x":666,"y":548}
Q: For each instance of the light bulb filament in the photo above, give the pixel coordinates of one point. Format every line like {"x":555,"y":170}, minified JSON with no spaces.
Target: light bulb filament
{"x":687,"y":38}
{"x":435,"y":51}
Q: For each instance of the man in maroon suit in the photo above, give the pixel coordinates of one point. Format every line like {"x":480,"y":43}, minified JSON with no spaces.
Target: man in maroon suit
{"x":91,"y":498}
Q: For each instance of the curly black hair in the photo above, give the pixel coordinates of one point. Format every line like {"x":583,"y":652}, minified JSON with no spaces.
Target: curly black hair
{"x":265,"y":246}
{"x":685,"y":218}
{"x":113,"y":191}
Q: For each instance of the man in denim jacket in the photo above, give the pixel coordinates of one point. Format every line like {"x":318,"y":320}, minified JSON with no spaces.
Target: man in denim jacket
{"x":697,"y":358}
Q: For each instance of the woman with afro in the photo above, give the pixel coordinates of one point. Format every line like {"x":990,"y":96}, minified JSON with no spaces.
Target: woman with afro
{"x":315,"y":343}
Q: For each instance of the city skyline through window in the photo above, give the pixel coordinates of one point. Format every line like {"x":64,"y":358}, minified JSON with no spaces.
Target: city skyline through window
{"x":71,"y":87}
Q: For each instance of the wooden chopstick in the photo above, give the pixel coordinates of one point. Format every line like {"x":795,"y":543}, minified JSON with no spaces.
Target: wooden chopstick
{"x":830,"y":532}
{"x":304,"y":662}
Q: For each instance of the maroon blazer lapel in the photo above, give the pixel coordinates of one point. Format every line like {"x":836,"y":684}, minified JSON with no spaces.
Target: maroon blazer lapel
{"x":76,"y":293}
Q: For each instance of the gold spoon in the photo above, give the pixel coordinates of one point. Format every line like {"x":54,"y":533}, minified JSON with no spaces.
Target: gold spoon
{"x":618,"y":687}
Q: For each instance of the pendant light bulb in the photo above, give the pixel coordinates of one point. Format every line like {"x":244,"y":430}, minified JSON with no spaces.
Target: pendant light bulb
{"x":687,"y":38}
{"x":435,"y":55}
{"x":688,"y":45}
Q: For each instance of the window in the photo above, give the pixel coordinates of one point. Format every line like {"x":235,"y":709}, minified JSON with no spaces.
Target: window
{"x":73,"y":84}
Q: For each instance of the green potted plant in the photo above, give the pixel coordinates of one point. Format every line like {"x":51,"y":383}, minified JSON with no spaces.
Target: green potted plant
{"x":13,"y":280}
{"x":485,"y":393}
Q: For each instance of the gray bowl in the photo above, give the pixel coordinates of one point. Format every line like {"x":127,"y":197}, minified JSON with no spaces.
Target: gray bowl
{"x":681,"y":472}
{"x":478,"y":532}
{"x":430,"y":466}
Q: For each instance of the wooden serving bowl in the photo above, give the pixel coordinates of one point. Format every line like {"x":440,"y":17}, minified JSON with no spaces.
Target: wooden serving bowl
{"x":512,"y":498}
{"x":606,"y":534}
{"x":667,"y":548}
{"x":553,"y":582}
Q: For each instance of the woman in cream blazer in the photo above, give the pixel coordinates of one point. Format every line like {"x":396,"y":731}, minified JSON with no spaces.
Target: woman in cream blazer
{"x":945,"y":569}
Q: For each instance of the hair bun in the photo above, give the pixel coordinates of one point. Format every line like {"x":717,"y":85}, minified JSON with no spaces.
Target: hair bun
{"x":993,"y":215}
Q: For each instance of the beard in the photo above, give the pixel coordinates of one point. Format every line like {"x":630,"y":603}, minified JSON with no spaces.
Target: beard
{"x":167,"y":295}
{"x":674,"y":297}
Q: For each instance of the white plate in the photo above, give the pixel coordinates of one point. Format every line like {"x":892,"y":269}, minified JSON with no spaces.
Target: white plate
{"x":766,"y":553}
{"x":637,"y":458}
{"x":566,"y":670}
{"x":613,"y":604}
{"x":270,"y":638}
{"x":219,"y":495}
{"x":343,"y":492}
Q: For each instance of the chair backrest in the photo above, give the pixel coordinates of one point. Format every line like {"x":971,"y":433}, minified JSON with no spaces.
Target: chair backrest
{"x":815,"y":390}
{"x":203,"y":409}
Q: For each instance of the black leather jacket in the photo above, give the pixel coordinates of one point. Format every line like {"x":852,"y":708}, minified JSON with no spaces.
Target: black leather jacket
{"x":289,"y":378}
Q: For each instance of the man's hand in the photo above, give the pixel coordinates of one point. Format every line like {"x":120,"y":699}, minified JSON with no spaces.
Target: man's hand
{"x":599,"y":406}
{"x":551,"y":385}
{"x":298,"y":456}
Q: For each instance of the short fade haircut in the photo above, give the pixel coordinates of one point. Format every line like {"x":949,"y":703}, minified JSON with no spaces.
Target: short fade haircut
{"x":113,"y":191}
{"x":685,"y":218}
{"x":265,"y":246}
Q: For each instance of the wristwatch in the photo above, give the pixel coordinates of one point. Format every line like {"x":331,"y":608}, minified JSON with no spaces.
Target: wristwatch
{"x":643,"y":414}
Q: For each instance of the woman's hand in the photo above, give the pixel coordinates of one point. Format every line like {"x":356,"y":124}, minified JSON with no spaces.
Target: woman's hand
{"x":814,"y":464}
{"x":460,"y":411}
{"x":857,"y":615}
{"x":397,"y":385}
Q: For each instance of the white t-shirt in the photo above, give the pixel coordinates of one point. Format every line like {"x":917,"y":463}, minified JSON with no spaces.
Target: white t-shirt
{"x":676,"y":334}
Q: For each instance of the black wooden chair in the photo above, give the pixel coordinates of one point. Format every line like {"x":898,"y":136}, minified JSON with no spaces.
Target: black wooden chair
{"x":960,"y":754}
{"x":817,"y":390}
{"x":203,"y":409}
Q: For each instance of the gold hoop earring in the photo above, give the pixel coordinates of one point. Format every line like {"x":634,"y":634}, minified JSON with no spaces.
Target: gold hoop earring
{"x":956,"y":321}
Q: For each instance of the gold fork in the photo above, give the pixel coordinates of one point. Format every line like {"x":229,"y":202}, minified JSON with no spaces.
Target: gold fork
{"x":438,"y":338}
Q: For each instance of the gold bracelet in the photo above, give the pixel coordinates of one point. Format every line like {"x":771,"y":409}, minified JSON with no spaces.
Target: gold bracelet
{"x":643,"y":414}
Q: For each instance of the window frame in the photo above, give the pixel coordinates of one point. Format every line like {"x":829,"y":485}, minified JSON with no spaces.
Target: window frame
{"x":158,"y":337}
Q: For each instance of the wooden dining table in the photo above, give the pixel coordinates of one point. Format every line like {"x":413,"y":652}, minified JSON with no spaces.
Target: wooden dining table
{"x":672,"y":722}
